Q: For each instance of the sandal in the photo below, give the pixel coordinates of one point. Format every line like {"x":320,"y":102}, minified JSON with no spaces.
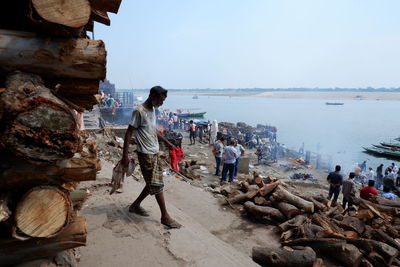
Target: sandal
{"x":139,"y":211}
{"x":172,"y":225}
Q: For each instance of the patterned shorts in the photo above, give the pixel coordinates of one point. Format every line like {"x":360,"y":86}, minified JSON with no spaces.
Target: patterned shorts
{"x":152,"y":171}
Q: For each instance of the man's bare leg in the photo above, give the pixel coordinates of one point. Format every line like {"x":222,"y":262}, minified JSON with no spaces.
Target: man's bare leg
{"x":165,"y":218}
{"x":135,"y":206}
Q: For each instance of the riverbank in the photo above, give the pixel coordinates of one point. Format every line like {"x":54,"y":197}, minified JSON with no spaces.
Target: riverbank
{"x":383,"y":96}
{"x":213,"y":233}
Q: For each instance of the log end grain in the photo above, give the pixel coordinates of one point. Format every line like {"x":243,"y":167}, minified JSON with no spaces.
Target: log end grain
{"x":43,"y":212}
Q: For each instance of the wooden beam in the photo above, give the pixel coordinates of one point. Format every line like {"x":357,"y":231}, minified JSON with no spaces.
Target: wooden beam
{"x":72,"y":13}
{"x":106,"y":5}
{"x":101,"y":17}
{"x":52,"y":57}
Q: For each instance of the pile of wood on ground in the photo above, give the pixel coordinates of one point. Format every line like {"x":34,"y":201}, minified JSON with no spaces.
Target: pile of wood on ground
{"x":49,"y":72}
{"x":367,"y":234}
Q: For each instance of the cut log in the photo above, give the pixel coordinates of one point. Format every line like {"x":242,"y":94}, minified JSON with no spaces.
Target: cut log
{"x":38,"y":126}
{"x":268,"y":188}
{"x":73,"y":87}
{"x":365,"y":214}
{"x":318,"y":205}
{"x":229,"y":189}
{"x":43,"y":212}
{"x":269,"y":212}
{"x":309,"y":230}
{"x":16,"y":173}
{"x":106,"y":5}
{"x":282,"y":194}
{"x":240,"y":198}
{"x":325,"y":223}
{"x":55,"y":58}
{"x":244,"y":186}
{"x":101,"y":17}
{"x":5,"y":212}
{"x":284,"y":256}
{"x":336,"y":249}
{"x":352,"y":224}
{"x":74,"y":235}
{"x":292,"y":223}
{"x":368,"y":245}
{"x":285,"y":236}
{"x":287,"y":209}
{"x":73,"y":14}
{"x":386,"y":202}
{"x":258,"y":180}
{"x":262,"y":201}
{"x":379,"y":235}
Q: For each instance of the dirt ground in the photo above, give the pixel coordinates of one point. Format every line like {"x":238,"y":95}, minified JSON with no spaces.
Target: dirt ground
{"x":213,"y":234}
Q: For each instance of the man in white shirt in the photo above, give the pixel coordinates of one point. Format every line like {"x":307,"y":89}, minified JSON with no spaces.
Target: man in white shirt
{"x":143,"y":125}
{"x":371,"y":174}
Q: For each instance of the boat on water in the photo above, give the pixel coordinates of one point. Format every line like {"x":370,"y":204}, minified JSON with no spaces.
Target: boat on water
{"x":382,"y":152}
{"x":387,"y":147}
{"x":334,"y":103}
{"x":195,"y":97}
{"x":396,"y":145}
{"x":191,"y":114}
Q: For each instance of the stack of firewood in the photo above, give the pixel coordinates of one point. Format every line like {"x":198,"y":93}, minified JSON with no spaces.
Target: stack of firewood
{"x":365,"y":234}
{"x":49,"y":72}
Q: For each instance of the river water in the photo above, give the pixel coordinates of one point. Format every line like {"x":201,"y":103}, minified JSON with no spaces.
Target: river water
{"x":336,"y":131}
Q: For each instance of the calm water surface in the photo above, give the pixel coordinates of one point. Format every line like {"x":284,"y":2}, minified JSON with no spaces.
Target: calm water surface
{"x":339,"y":131}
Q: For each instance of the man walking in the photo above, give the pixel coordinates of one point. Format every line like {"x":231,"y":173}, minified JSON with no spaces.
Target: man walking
{"x":335,"y":180}
{"x":192,"y":132}
{"x":349,"y":191}
{"x":143,"y":125}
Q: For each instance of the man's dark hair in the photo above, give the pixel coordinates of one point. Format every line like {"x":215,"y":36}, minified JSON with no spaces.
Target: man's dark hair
{"x":158,"y":91}
{"x":222,"y":138}
{"x":352,"y":175}
{"x":231,"y":142}
{"x":337,"y":168}
{"x":191,"y":121}
{"x":371,"y":183}
{"x":386,"y":189}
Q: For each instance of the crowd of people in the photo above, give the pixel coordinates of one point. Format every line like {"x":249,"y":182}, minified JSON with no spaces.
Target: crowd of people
{"x":228,"y":156}
{"x":389,"y":176}
{"x":371,"y":184}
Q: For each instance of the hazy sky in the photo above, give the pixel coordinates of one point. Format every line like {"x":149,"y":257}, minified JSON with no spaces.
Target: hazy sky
{"x":253,"y":43}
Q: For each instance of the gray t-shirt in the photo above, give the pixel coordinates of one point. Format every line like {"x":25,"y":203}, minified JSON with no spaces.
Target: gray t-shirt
{"x":144,"y":121}
{"x":219,"y":147}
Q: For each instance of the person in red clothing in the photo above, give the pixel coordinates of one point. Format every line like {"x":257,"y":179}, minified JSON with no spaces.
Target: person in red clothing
{"x":366,"y":191}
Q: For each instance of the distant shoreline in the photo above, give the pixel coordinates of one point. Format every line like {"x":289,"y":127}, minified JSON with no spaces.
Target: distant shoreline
{"x":391,"y":96}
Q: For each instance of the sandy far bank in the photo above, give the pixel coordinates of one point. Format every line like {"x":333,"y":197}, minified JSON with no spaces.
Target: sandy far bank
{"x":333,"y":95}
{"x":393,"y":96}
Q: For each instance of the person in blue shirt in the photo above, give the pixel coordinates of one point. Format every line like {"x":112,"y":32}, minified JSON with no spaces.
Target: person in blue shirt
{"x":387,"y":194}
{"x":229,"y":156}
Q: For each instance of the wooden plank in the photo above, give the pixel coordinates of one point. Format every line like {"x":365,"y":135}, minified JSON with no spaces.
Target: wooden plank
{"x":72,"y":13}
{"x":52,"y":58}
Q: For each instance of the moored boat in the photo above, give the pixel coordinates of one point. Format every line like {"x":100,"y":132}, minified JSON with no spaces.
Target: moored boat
{"x":191,"y":115}
{"x":386,"y":147}
{"x":334,"y":103}
{"x":382,"y":152}
{"x":396,"y":145}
